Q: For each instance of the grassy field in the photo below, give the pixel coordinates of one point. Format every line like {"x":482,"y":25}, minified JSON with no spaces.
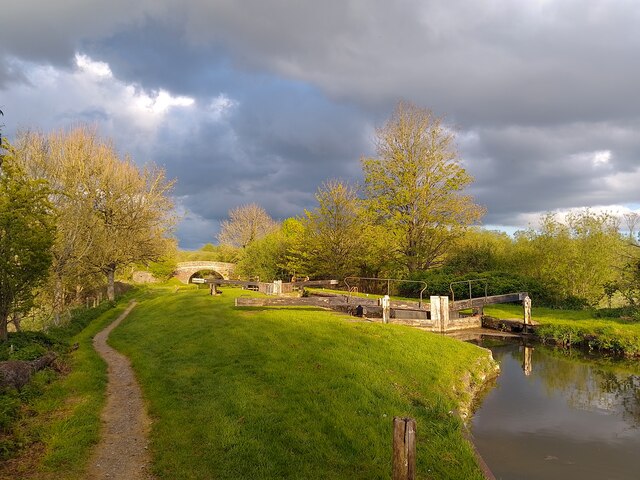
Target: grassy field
{"x":293,"y":393}
{"x":579,"y":327}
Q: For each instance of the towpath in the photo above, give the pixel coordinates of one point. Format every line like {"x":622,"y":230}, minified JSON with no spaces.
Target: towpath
{"x":122,"y":452}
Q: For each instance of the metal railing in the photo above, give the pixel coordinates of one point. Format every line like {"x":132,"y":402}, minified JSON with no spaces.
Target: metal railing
{"x":475,"y":280}
{"x":388,"y":280}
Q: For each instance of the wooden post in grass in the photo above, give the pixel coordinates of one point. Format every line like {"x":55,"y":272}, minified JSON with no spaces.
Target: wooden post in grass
{"x":385,"y":302}
{"x":404,"y":448}
{"x":440,"y":313}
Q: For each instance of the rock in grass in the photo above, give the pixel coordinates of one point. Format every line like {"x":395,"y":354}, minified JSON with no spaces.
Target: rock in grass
{"x":17,"y":373}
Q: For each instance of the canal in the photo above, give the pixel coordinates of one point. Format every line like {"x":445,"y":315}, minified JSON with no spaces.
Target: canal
{"x":555,"y":414}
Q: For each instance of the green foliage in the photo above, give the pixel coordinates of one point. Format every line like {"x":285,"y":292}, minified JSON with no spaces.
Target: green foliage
{"x":480,"y":250}
{"x":414,"y":187}
{"x":26,"y":237}
{"x":209,"y":247}
{"x":209,"y":253}
{"x":163,"y":269}
{"x":60,"y":413}
{"x":19,"y":342}
{"x":292,"y":393}
{"x":334,"y":232}
{"x":579,"y":328}
{"x":619,"y":312}
{"x":111,"y":212}
{"x":262,"y":257}
{"x":9,"y":409}
{"x":571,"y":264}
{"x":575,"y":259}
{"x":497,"y":283}
{"x":276,"y":256}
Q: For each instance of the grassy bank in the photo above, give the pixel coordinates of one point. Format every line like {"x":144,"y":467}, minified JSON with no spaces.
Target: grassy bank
{"x":50,"y":426}
{"x":293,"y":393}
{"x":580,"y":328}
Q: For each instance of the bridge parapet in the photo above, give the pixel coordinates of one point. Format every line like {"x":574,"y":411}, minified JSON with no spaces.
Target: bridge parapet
{"x":185,"y":270}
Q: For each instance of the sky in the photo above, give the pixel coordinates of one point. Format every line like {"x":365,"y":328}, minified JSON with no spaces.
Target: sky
{"x":261,"y":101}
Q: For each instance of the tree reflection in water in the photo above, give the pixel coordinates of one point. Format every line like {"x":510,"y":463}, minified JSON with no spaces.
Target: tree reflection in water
{"x":588,"y":382}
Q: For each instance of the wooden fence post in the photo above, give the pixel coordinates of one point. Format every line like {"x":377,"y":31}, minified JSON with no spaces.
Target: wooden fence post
{"x":385,"y":302}
{"x":440,"y":313}
{"x":404,"y":448}
{"x":526,"y":305}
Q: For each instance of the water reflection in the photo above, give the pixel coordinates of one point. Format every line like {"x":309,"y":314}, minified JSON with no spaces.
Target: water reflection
{"x":557,"y":414}
{"x":527,"y":353}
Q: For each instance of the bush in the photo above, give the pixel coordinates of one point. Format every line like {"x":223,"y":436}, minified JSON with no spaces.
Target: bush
{"x":497,"y":283}
{"x":27,"y":345}
{"x":615,"y":312}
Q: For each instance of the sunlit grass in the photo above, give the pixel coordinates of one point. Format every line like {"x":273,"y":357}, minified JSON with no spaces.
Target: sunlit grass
{"x":578,"y":327}
{"x":292,"y":392}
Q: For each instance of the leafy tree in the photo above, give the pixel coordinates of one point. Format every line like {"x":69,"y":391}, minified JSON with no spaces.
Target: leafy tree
{"x":294,"y":260}
{"x":259,"y":258}
{"x":165,"y":266}
{"x":414,"y":187}
{"x":246,"y":224}
{"x":632,"y":220}
{"x":334,"y":231}
{"x":574,"y":259}
{"x":629,"y":281}
{"x":480,"y":250}
{"x":276,"y":256}
{"x":26,"y":236}
{"x":111,"y":213}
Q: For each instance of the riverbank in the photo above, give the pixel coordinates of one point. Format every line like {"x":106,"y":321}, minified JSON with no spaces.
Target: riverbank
{"x":262,"y":393}
{"x":295,"y":392}
{"x":578,"y":328}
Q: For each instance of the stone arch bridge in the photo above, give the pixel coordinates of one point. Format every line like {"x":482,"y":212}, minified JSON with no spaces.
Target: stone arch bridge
{"x":185,"y":270}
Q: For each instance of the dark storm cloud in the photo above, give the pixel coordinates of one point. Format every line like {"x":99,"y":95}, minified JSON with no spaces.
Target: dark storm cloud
{"x":479,"y":61}
{"x":273,"y":146}
{"x":543,"y":93}
{"x":533,"y":169}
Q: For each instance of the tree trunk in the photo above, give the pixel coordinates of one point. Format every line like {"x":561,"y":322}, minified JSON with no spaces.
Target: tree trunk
{"x":57,"y":301}
{"x":16,"y":319}
{"x":4,"y":335}
{"x":111,"y":289}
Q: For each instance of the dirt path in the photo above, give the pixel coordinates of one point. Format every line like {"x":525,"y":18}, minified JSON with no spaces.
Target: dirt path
{"x":122,"y":452}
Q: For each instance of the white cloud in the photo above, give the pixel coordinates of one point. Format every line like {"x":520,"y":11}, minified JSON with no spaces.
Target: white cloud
{"x":91,"y":93}
{"x":601,"y":157}
{"x":161,"y":102}
{"x":532,"y":219}
{"x":96,"y":69}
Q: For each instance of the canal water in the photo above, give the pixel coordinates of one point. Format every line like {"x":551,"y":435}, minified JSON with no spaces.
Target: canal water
{"x":554,"y":414}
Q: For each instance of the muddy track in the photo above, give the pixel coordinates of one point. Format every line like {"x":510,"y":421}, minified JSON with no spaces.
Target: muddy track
{"x":122,"y":452}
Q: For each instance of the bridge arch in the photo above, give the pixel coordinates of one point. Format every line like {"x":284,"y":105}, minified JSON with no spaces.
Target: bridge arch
{"x":185,"y":271}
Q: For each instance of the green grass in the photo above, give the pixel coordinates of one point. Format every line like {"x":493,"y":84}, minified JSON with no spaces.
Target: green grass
{"x":579,"y":327}
{"x":293,"y":392}
{"x":60,"y":417}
